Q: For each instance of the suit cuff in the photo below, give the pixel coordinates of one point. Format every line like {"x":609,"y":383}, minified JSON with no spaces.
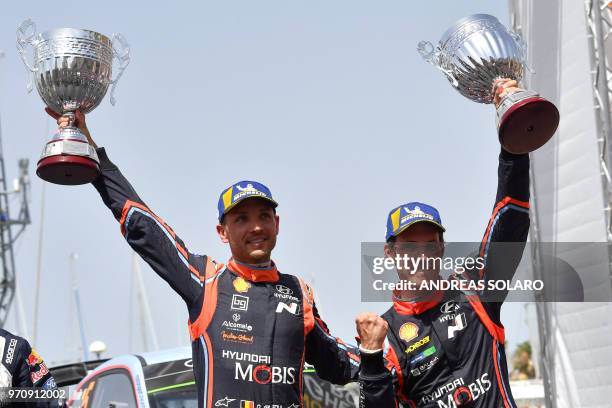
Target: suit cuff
{"x":506,"y":155}
{"x":372,"y":364}
{"x":105,"y":163}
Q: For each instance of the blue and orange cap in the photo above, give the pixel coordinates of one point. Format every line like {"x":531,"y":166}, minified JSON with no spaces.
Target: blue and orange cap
{"x":240,"y":191}
{"x":406,"y":215}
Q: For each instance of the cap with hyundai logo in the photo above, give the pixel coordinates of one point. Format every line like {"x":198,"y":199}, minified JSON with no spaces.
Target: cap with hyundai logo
{"x":241,"y":191}
{"x":406,"y":215}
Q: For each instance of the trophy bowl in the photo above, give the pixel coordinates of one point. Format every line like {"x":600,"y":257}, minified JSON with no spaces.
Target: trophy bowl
{"x":72,"y":70}
{"x":474,"y":54}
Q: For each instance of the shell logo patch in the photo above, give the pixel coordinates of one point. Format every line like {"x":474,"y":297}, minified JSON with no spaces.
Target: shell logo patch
{"x":408,"y":331}
{"x":241,"y":285}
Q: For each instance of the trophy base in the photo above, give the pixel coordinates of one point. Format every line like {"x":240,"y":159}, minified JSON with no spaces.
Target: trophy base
{"x":68,"y":170}
{"x":526,"y":122}
{"x":68,"y":159}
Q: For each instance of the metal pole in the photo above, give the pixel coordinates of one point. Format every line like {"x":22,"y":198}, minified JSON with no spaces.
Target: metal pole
{"x":145,"y":310}
{"x":601,"y":93}
{"x":8,"y":268}
{"x":7,"y":259}
{"x":602,"y":80}
{"x":547,"y":360}
{"x":38,"y":264}
{"x":77,"y":304}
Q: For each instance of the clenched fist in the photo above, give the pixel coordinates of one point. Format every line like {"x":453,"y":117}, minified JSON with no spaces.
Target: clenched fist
{"x":372,"y":330}
{"x":503,"y":87}
{"x":79,"y":122}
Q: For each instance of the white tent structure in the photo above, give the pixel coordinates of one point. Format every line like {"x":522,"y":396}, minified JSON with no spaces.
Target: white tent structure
{"x":571,"y":189}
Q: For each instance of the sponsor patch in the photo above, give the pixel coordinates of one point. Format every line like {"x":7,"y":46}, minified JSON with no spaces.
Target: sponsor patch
{"x":34,"y":358}
{"x":443,"y":390}
{"x":49,"y":384}
{"x":285,"y":293}
{"x":40,"y":373}
{"x":459,"y":323}
{"x":426,"y":353}
{"x":240,"y":303}
{"x":417,"y":344}
{"x":416,"y":213}
{"x":408,"y":331}
{"x":241,"y":285}
{"x":292,"y":308}
{"x":445,"y":396}
{"x":242,"y":356}
{"x":449,"y":307}
{"x":284,"y":290}
{"x":10,"y":353}
{"x":237,"y":337}
{"x":235,"y":325}
{"x":259,"y":404}
{"x":264,"y":374}
{"x":224,"y":402}
{"x":424,"y":367}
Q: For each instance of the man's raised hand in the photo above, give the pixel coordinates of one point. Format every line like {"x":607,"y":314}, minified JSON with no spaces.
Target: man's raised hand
{"x":372,"y":330}
{"x":503,"y":87}
{"x":79,"y":122}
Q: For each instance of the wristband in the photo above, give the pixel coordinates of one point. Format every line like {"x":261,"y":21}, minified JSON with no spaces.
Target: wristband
{"x":368,"y":351}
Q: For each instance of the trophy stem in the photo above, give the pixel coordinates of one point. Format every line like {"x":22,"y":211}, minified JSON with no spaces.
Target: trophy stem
{"x":71,"y":118}
{"x":68,"y":158}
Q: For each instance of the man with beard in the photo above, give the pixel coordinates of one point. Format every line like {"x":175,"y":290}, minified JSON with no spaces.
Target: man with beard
{"x":446,"y":348}
{"x":251,"y":326}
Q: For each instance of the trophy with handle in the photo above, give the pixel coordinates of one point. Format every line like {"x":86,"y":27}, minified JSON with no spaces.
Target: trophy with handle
{"x":72,"y":70}
{"x":475,"y":53}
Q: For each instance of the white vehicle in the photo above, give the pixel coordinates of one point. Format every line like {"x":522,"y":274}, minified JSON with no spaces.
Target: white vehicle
{"x":157,"y":379}
{"x":164,"y":379}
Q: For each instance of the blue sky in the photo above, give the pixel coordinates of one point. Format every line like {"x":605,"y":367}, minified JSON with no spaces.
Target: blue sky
{"x":328,"y":103}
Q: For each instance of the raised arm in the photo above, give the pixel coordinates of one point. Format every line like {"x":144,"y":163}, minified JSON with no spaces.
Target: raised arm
{"x":509,"y":221}
{"x":144,"y":231}
{"x":506,"y":233}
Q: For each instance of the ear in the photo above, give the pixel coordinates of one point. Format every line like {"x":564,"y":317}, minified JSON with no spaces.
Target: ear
{"x":389,"y":251}
{"x":277,"y":220}
{"x":222,"y":231}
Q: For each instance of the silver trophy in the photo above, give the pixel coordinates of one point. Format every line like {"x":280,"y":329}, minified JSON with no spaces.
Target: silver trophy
{"x":474,"y":54}
{"x":72,"y":70}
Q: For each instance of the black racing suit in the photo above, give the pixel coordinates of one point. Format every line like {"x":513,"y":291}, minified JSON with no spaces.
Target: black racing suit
{"x":251,"y":330}
{"x":22,"y":367}
{"x":449,"y":352}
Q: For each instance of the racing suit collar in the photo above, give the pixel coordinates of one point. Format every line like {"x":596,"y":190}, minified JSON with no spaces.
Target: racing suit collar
{"x":413,"y":308}
{"x":253,"y":274}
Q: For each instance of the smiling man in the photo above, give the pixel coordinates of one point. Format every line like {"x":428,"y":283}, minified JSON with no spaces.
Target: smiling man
{"x":446,"y":347}
{"x":252,"y":327}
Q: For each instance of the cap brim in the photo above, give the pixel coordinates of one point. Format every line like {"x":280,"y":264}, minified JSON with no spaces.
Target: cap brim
{"x":232,"y":205}
{"x":395,"y":234}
